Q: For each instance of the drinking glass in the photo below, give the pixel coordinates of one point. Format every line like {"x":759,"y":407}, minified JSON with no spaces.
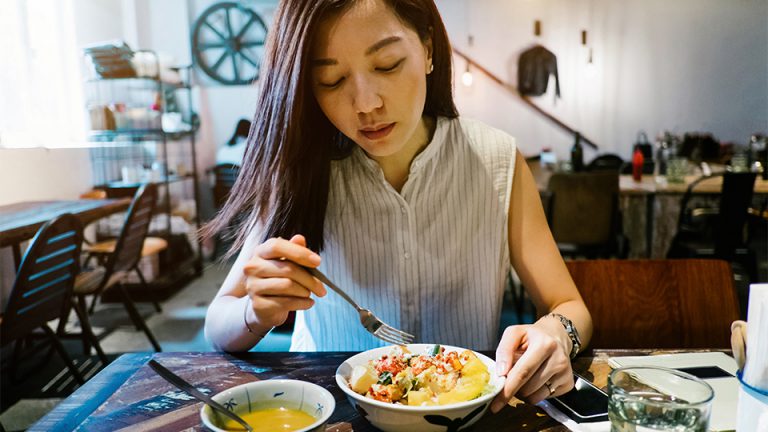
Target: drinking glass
{"x":740,"y":162}
{"x":677,"y":168}
{"x":646,"y":399}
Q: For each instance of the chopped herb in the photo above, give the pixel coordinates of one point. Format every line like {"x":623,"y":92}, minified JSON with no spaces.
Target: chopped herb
{"x":435,"y":350}
{"x":385,"y":378}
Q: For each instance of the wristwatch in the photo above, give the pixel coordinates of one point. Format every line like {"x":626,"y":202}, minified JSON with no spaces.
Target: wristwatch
{"x":573,"y":333}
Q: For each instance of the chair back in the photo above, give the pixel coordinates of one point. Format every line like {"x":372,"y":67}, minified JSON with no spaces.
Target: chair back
{"x":606,"y":162}
{"x":735,"y":200}
{"x":225,"y":176}
{"x":584,"y":207}
{"x":727,"y":231}
{"x":45,"y":279}
{"x":686,"y":303}
{"x":131,"y":240}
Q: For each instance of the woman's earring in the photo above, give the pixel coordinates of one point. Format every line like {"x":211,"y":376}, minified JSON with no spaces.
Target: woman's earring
{"x":431,"y":68}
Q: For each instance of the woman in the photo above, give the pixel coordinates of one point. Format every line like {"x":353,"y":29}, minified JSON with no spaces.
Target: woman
{"x":357,"y":151}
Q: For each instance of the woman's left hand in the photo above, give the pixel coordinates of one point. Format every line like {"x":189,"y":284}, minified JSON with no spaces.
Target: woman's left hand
{"x":535,"y":362}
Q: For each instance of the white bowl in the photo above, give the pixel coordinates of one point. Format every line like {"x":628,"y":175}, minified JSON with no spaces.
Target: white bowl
{"x":394,"y":418}
{"x":294,"y":394}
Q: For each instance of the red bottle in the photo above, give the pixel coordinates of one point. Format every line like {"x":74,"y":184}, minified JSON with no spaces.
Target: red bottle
{"x":637,"y":165}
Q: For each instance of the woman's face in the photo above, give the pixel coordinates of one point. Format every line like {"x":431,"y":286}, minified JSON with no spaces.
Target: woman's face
{"x":369,"y":77}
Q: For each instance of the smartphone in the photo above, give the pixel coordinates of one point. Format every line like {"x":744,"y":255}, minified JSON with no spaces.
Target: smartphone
{"x":585,"y":403}
{"x":707,"y":372}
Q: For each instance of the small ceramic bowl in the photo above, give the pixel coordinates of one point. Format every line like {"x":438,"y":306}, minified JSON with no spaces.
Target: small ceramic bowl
{"x":396,"y":418}
{"x":293,"y":394}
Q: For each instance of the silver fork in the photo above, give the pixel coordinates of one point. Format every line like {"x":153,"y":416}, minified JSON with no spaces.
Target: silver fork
{"x":371,"y":322}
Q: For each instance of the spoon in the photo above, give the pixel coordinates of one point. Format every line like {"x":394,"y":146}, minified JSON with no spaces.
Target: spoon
{"x":191,"y":390}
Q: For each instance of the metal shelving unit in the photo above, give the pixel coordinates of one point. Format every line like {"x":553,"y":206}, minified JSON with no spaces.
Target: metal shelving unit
{"x":143,"y":131}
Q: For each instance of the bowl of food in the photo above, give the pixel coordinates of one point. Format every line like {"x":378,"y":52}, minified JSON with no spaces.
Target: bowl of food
{"x":273,"y":405}
{"x":419,"y":387}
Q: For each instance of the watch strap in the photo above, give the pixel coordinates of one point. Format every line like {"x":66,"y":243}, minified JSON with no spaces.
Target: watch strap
{"x":572,"y":332}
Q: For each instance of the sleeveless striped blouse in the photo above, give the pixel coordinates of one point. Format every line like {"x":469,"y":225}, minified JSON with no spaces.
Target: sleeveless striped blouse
{"x":431,"y":260}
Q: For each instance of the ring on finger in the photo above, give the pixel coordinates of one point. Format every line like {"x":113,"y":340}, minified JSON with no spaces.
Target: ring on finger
{"x":550,"y":388}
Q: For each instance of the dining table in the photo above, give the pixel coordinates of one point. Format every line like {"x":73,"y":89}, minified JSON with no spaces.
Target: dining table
{"x":20,"y":221}
{"x":128,"y":395}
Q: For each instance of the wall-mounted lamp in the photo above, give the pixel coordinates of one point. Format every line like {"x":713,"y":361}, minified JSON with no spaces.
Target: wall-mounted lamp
{"x":466,"y":78}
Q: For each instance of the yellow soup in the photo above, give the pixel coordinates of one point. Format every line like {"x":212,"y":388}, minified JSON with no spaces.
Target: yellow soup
{"x":273,"y":420}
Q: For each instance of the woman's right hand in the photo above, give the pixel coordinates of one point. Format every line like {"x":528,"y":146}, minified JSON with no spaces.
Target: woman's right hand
{"x":276,"y":282}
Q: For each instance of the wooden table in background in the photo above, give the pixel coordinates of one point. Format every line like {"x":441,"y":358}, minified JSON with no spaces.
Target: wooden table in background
{"x":128,"y":395}
{"x":660,"y":203}
{"x":20,"y":221}
{"x":650,"y":210}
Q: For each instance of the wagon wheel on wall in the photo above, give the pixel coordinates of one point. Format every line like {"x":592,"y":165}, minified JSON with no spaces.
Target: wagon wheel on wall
{"x":228,"y":43}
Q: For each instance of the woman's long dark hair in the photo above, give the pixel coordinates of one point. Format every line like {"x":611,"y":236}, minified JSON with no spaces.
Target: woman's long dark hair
{"x":283,"y":183}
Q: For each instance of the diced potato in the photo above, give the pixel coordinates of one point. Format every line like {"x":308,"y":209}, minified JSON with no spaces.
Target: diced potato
{"x":395,"y":392}
{"x":467,"y":388}
{"x":362,"y":378}
{"x":418,"y":398}
{"x":474,"y":366}
{"x":474,"y":378}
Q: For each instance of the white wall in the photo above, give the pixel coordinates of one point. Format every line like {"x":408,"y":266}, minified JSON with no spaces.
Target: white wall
{"x":42,"y":174}
{"x":685,"y":65}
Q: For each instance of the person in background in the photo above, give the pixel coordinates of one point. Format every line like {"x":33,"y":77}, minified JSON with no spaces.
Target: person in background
{"x":358,"y":153}
{"x":233,"y":151}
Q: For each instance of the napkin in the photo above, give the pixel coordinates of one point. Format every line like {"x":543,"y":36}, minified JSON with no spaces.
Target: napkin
{"x":756,"y":366}
{"x":753,"y":394}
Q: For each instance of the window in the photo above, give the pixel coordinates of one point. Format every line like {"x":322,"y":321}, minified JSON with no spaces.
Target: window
{"x":41,"y":93}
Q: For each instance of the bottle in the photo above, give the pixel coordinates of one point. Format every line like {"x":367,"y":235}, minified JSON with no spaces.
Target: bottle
{"x":637,"y":164}
{"x":577,"y":155}
{"x":663,"y":145}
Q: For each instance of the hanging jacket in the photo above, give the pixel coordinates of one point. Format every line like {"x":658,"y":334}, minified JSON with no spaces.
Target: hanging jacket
{"x":533,"y":69}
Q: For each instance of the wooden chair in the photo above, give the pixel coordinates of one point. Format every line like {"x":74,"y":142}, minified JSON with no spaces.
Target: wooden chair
{"x":101,"y":250}
{"x":583,"y":214}
{"x":658,"y":303}
{"x":125,"y":259}
{"x":43,"y":288}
